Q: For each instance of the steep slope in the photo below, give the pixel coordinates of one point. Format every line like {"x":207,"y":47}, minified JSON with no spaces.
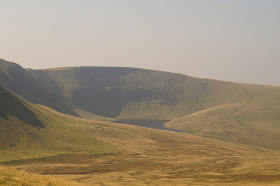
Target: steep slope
{"x":14,"y":113}
{"x":33,"y":86}
{"x":13,"y":106}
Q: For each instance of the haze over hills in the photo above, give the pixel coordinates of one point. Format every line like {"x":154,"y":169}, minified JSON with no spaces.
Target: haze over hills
{"x":140,"y":92}
{"x":242,"y":113}
{"x":40,"y":140}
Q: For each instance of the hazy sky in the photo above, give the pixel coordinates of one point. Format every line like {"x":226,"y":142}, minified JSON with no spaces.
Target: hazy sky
{"x":235,"y":40}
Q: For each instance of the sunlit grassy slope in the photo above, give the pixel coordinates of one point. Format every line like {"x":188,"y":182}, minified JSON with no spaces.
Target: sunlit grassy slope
{"x":29,"y":131}
{"x":99,"y":152}
{"x":254,"y":120}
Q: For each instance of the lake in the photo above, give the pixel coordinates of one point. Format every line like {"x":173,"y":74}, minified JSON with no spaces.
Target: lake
{"x":149,"y":123}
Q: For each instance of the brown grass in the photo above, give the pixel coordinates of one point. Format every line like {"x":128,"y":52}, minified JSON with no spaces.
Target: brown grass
{"x":155,"y":157}
{"x":141,"y":156}
{"x":10,"y":176}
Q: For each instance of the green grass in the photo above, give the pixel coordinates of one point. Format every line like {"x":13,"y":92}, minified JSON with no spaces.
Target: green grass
{"x":30,"y":131}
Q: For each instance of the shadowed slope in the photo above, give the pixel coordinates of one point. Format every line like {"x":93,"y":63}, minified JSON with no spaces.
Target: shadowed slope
{"x":16,"y":120}
{"x":11,"y":105}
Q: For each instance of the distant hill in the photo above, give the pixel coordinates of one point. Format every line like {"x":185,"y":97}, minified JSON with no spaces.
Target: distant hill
{"x":117,"y":92}
{"x":247,"y":114}
{"x":129,"y":93}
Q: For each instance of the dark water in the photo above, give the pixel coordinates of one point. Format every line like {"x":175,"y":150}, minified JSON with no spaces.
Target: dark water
{"x":154,"y":124}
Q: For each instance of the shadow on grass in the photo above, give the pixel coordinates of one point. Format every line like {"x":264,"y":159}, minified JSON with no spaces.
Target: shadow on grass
{"x":13,"y":106}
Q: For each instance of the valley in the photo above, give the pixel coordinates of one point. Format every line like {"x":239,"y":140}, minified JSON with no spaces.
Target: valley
{"x":126,"y":126}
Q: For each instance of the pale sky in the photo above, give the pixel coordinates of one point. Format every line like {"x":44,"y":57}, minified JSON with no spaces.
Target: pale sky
{"x":233,"y":40}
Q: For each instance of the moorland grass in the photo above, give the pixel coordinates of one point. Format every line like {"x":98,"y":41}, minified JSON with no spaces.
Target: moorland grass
{"x":11,"y":176}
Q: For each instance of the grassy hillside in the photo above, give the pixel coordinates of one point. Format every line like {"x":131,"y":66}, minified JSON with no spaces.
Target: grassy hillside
{"x":254,"y":121}
{"x":99,"y":152}
{"x":28,"y":130}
